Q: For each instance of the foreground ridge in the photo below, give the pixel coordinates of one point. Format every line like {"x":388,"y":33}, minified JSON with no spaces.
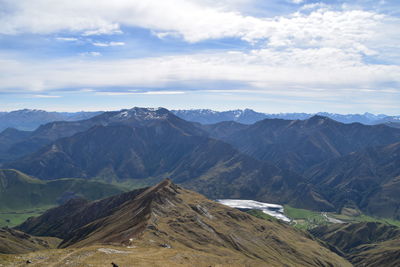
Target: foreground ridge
{"x":168,"y":216}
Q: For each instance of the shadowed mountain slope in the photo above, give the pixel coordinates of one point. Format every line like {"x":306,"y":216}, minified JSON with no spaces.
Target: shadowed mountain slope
{"x":298,"y":145}
{"x":29,"y":142}
{"x":223,"y":129}
{"x":143,"y":154}
{"x":168,"y":215}
{"x":369,"y":180}
{"x":364,"y":244}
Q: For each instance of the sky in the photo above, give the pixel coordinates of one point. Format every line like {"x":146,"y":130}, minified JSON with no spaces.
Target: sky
{"x":269,"y":55}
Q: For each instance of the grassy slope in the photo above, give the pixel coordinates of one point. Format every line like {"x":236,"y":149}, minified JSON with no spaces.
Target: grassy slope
{"x":364,"y":244}
{"x":22,"y":196}
{"x":13,"y":218}
{"x":304,"y":219}
{"x":365,"y":218}
{"x":15,"y":242}
{"x":307,"y":219}
{"x":261,"y":215}
{"x":381,"y":254}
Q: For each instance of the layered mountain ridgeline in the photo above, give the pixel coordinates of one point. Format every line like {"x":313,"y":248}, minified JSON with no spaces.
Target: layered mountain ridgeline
{"x":368,"y":180}
{"x":248,"y":116}
{"x":363,"y":244}
{"x":167,"y":216}
{"x":298,"y":145}
{"x":16,"y":242}
{"x":28,"y":119}
{"x":146,"y":150}
{"x":30,"y":142}
{"x":144,"y":145}
{"x":19,"y":191}
{"x":207,"y":116}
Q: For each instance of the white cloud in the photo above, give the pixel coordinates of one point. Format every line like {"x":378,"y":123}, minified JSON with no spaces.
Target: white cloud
{"x":141,"y":93}
{"x":193,"y":20}
{"x":364,"y":32}
{"x":317,"y":47}
{"x":324,"y":68}
{"x":90,"y":54}
{"x":44,"y":96}
{"x":67,"y":39}
{"x":297,"y":1}
{"x":108,"y":44}
{"x":318,"y":5}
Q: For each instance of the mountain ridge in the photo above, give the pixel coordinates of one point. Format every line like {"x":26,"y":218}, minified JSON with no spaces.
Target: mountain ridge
{"x":166,"y":215}
{"x":299,"y":144}
{"x":368,"y":179}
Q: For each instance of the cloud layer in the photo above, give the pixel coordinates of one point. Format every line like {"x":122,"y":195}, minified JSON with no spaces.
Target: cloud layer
{"x":319,"y":47}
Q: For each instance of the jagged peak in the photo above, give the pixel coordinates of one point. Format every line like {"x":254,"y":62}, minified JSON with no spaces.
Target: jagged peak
{"x":139,"y":113}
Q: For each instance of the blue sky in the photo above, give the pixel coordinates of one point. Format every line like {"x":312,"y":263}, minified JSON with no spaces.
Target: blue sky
{"x":269,"y":55}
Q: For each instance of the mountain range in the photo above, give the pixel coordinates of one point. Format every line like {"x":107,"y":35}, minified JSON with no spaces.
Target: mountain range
{"x":249,"y":116}
{"x":29,"y":120}
{"x":86,"y":166}
{"x":144,"y":149}
{"x":300,"y":144}
{"x":273,"y":160}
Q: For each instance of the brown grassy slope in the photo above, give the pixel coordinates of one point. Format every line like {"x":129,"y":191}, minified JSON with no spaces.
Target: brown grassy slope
{"x":102,"y":256}
{"x":187,"y":221}
{"x":363,"y":244}
{"x":385,"y":253}
{"x":13,"y":241}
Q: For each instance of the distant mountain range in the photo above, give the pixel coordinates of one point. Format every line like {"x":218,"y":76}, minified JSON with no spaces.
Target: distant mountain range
{"x":249,"y":116}
{"x":29,"y":120}
{"x":273,"y":160}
